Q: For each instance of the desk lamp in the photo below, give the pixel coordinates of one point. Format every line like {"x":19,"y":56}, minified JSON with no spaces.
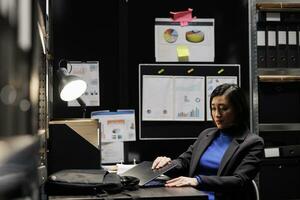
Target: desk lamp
{"x":71,"y":87}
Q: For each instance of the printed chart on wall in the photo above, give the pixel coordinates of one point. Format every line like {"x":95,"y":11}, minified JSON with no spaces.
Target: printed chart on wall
{"x":173,"y":98}
{"x":89,"y":72}
{"x":211,"y":83}
{"x":194,"y":42}
{"x":189,"y":98}
{"x":157,"y":97}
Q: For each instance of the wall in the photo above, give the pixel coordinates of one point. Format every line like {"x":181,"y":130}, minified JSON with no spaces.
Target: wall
{"x":111,"y":33}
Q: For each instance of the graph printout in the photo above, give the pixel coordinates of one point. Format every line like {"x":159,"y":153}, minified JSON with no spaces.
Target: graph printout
{"x":116,"y":126}
{"x":211,"y":83}
{"x":89,"y":72}
{"x":157,"y":97}
{"x":197,"y":38}
{"x":189,"y":98}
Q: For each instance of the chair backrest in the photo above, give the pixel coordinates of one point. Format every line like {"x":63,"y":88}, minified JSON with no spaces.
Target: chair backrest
{"x":255,"y":189}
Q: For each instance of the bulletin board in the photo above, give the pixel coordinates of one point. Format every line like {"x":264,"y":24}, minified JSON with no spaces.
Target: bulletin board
{"x":174,"y":98}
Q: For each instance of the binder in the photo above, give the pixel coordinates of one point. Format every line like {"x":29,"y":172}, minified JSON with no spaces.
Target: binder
{"x":271,"y":51}
{"x":292,"y":46}
{"x":298,"y":35}
{"x":290,"y":17}
{"x":261,"y":17}
{"x":282,"y":59}
{"x":261,"y":45}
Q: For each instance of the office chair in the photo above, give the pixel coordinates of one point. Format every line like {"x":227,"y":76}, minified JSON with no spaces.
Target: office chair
{"x":255,"y":190}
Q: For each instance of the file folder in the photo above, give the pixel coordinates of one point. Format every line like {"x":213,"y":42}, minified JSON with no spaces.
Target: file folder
{"x":271,"y":46}
{"x":262,"y":17}
{"x":290,"y":17}
{"x":282,"y":60}
{"x":292,"y":46}
{"x":261,"y":45}
{"x":298,"y":32}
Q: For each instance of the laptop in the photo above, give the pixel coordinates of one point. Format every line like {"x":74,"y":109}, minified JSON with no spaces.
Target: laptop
{"x":144,"y":172}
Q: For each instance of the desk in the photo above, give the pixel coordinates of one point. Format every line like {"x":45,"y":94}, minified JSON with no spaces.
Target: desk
{"x":185,"y":193}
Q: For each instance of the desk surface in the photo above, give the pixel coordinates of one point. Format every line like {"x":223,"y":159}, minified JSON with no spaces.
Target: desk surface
{"x":186,"y":193}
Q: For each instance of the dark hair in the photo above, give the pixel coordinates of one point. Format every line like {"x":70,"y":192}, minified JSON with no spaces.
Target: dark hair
{"x":237,"y":99}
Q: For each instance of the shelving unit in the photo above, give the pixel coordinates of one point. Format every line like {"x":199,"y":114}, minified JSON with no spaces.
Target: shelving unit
{"x":268,"y":74}
{"x":275,"y":90}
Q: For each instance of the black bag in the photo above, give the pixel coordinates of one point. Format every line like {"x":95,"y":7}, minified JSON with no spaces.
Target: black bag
{"x":88,"y":182}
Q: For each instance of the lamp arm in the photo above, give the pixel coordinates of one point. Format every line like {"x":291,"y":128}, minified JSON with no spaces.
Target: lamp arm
{"x":82,"y":105}
{"x":61,"y":72}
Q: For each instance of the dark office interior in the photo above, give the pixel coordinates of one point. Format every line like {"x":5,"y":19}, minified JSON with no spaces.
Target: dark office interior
{"x":38,"y":37}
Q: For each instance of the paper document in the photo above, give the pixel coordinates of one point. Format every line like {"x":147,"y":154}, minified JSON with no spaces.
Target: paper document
{"x":180,"y":98}
{"x":198,"y":37}
{"x":112,"y":152}
{"x":121,"y":168}
{"x":89,"y":72}
{"x":116,"y":126}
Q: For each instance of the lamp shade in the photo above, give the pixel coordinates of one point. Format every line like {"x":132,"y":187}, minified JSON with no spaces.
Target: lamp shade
{"x":70,"y":87}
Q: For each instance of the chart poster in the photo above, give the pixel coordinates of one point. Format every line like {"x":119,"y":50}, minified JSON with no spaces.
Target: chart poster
{"x":157,"y":98}
{"x":196,"y":40}
{"x":189,"y":98}
{"x":89,"y":72}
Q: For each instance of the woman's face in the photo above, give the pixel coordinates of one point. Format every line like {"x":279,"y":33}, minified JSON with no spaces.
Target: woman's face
{"x":222,"y":112}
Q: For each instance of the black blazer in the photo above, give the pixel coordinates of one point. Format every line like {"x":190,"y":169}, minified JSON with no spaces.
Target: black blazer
{"x":240,"y":164}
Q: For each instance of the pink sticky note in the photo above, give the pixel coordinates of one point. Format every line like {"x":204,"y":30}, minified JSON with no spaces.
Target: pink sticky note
{"x":184,"y":17}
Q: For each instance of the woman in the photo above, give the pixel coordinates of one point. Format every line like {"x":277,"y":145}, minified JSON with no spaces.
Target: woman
{"x":223,"y":160}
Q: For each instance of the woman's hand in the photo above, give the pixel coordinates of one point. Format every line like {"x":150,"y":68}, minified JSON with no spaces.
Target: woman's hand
{"x":160,"y":161}
{"x":182,"y":181}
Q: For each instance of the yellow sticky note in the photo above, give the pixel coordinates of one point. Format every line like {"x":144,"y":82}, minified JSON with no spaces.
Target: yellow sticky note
{"x":183,"y":53}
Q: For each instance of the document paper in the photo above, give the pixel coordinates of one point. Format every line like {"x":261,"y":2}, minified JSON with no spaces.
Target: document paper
{"x":112,"y":152}
{"x":89,"y":72}
{"x":116,"y":126}
{"x":198,"y":37}
{"x":189,"y":98}
{"x":173,"y":98}
{"x":157,"y":97}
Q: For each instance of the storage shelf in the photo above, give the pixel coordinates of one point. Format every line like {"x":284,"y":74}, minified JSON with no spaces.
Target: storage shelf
{"x":279,"y":127}
{"x":279,"y":71}
{"x":278,"y":78}
{"x":278,"y":6}
{"x":279,"y":74}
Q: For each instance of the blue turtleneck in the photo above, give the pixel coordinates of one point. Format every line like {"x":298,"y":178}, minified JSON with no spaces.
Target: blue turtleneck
{"x":210,"y":161}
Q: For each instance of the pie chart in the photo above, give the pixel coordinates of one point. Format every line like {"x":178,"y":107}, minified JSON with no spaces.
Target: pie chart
{"x":194,"y":36}
{"x":170,"y":35}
